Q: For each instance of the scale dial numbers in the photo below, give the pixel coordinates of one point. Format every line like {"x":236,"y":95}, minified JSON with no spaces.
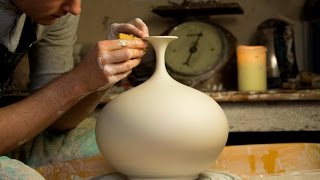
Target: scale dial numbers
{"x":198,"y":49}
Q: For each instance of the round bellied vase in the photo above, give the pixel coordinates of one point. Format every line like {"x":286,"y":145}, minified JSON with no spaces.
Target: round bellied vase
{"x":161,"y":129}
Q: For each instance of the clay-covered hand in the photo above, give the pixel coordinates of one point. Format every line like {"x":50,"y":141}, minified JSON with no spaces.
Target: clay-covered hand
{"x":135,"y":27}
{"x":111,"y":61}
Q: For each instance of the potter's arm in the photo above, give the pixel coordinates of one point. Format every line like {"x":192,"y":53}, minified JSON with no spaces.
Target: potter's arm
{"x":79,"y":112}
{"x":132,"y":55}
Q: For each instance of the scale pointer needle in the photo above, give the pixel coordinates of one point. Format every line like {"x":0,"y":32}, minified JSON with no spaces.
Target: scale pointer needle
{"x":193,"y":49}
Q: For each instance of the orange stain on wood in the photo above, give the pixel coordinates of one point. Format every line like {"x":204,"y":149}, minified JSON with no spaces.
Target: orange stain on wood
{"x":269,"y":161}
{"x":252,"y":162}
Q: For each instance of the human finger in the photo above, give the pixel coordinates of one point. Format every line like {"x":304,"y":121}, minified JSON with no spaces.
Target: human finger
{"x":118,"y":68}
{"x":144,"y":31}
{"x":114,"y":79}
{"x":136,"y":27}
{"x":111,"y":45}
{"x":119,"y":56}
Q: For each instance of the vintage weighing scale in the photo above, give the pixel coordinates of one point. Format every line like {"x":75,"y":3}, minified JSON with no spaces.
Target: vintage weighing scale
{"x":203,"y":56}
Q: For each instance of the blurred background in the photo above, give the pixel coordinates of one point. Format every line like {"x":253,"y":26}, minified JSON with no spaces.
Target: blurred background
{"x":300,"y":16}
{"x":287,"y":111}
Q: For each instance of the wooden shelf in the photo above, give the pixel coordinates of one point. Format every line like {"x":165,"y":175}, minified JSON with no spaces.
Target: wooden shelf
{"x":225,"y":96}
{"x":270,"y":95}
{"x":198,"y":9}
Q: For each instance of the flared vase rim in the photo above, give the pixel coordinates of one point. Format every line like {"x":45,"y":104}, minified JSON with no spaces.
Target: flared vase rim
{"x":160,"y":37}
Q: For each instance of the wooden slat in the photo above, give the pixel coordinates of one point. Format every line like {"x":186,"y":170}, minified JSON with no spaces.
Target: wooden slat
{"x":271,"y":95}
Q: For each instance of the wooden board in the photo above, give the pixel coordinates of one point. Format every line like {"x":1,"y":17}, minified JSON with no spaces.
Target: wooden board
{"x":245,"y":161}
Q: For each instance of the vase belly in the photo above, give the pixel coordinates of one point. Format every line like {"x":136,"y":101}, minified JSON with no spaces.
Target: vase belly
{"x":161,"y":129}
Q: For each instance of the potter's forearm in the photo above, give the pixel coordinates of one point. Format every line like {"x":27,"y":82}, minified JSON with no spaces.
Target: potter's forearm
{"x":22,"y":121}
{"x":79,"y":111}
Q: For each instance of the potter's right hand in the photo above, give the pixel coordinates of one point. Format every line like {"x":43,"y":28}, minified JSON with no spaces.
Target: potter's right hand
{"x":135,"y":27}
{"x":110,"y":61}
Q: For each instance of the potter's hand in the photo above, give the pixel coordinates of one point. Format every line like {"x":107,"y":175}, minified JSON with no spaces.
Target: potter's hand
{"x":111,"y":61}
{"x":135,"y":27}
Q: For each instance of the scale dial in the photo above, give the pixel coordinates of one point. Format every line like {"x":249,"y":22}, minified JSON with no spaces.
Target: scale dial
{"x":199,"y":50}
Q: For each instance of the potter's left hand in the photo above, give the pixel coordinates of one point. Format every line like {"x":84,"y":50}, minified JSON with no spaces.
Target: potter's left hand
{"x":135,"y":27}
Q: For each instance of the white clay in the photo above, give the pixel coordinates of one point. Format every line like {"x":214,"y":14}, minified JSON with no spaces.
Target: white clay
{"x":161,"y":129}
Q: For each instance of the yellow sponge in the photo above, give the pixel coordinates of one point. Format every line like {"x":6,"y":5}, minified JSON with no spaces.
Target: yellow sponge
{"x":126,"y":36}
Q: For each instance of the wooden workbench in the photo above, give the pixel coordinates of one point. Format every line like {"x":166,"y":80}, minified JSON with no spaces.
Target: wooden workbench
{"x":246,"y":161}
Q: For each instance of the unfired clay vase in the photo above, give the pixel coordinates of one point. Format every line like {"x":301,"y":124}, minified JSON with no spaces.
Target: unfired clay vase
{"x":161,"y":129}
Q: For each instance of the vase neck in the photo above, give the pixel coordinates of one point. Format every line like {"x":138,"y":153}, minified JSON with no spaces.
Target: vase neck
{"x":160,"y":44}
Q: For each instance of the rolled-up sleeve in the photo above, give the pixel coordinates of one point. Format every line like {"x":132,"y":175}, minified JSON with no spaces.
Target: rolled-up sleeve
{"x":52,"y":55}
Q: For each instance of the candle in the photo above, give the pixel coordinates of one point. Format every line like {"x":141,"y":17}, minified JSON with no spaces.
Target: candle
{"x":252,"y":68}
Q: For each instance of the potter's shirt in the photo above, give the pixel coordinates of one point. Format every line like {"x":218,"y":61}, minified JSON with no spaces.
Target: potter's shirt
{"x":52,"y":53}
{"x":12,"y":21}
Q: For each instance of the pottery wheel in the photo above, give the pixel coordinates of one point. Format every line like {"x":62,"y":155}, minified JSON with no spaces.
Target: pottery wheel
{"x":208,"y":175}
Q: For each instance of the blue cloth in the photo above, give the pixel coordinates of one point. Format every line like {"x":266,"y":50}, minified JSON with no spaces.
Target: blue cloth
{"x":48,"y":148}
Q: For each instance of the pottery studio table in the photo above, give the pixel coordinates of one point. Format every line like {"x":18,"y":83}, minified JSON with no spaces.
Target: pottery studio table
{"x":265,"y":161}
